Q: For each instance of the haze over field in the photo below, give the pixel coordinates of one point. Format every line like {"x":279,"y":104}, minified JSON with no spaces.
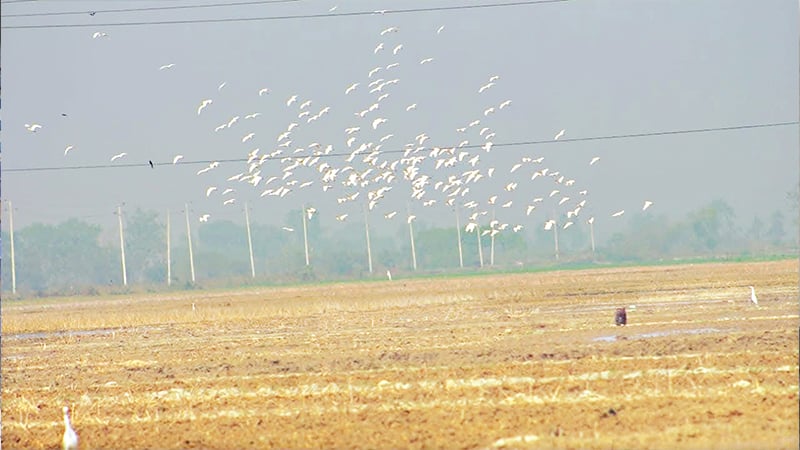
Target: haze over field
{"x":593,"y":69}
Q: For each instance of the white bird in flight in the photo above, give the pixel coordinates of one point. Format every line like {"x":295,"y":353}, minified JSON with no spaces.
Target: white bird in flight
{"x":263,"y":91}
{"x":70,"y":439}
{"x":440,"y":29}
{"x":426,"y":60}
{"x":116,"y":157}
{"x":204,"y":217}
{"x":99,"y":34}
{"x":33,"y":128}
{"x":646,"y":205}
{"x":395,"y":50}
{"x":222,"y":86}
{"x":167,"y":66}
{"x":411,"y":107}
{"x":594,"y":160}
{"x":289,"y":229}
{"x":210,"y":190}
{"x":753,"y":297}
{"x":203,"y":105}
{"x":176,"y":159}
{"x":291,"y":100}
{"x":229,"y":201}
{"x":350,"y":88}
{"x":66,"y":150}
{"x":377,"y":122}
{"x":560,"y":133}
{"x":247,"y":137}
{"x":618,"y":213}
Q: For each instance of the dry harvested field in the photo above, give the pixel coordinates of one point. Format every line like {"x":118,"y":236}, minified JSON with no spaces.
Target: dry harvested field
{"x":518,"y":361}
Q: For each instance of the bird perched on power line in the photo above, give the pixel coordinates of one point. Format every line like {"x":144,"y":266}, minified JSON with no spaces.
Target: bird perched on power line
{"x":753,"y":297}
{"x":620,"y":317}
{"x":70,"y":439}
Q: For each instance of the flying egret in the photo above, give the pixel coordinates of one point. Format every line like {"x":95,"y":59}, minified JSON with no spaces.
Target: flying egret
{"x":219,"y":89}
{"x":203,"y":105}
{"x":426,"y":60}
{"x":253,"y":115}
{"x":646,"y":205}
{"x":440,"y":29}
{"x":70,"y":439}
{"x":390,"y":215}
{"x":485,"y":87}
{"x":33,"y":128}
{"x":289,"y":229}
{"x":99,"y":34}
{"x":176,"y":159}
{"x":66,"y":150}
{"x":166,"y":66}
{"x":411,"y":218}
{"x":397,"y":49}
{"x":488,"y":146}
{"x":488,"y":111}
{"x":305,"y":104}
{"x":247,"y":137}
{"x":229,"y":201}
{"x":753,"y":297}
{"x":618,"y":213}
{"x":549,"y":224}
{"x":504,"y":104}
{"x":389,"y":30}
{"x":205,"y":217}
{"x":210,"y":190}
{"x":263,"y":91}
{"x":378,"y":48}
{"x":291,"y":100}
{"x":116,"y":157}
{"x":341,"y":218}
{"x":377,"y":122}
{"x":594,"y":160}
{"x":560,"y":133}
{"x":350,"y":88}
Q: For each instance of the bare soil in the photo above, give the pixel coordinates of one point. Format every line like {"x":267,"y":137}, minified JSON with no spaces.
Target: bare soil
{"x":517,"y":361}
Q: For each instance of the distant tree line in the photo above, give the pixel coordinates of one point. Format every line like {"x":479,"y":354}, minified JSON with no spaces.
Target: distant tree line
{"x":76,"y":257}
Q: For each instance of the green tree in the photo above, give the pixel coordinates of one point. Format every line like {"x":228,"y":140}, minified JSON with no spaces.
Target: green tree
{"x":145,"y":247}
{"x":713,"y":225}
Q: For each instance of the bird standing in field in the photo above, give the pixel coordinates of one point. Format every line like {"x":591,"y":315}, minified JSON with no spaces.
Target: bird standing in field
{"x":70,"y":440}
{"x":753,"y":297}
{"x":620,"y":317}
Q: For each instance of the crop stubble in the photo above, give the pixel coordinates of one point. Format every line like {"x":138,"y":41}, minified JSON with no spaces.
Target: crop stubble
{"x":520,"y":360}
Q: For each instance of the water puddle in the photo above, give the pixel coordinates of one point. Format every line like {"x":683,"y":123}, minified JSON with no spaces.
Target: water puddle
{"x":614,"y":338}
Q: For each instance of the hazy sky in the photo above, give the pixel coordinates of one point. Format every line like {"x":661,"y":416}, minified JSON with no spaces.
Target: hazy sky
{"x":593,"y":68}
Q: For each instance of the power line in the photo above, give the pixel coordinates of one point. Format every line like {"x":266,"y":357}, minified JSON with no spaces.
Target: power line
{"x":505,"y":144}
{"x":289,"y":17}
{"x":152,"y":8}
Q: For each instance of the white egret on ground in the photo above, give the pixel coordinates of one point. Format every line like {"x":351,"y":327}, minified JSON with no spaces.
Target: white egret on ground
{"x":753,"y":297}
{"x":70,"y":439}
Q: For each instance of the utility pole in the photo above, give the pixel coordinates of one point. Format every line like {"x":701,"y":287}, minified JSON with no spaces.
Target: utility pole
{"x":555,"y":237}
{"x":305,"y":235}
{"x":413,"y":248}
{"x":11,"y":235}
{"x":480,"y":246}
{"x":591,"y":233}
{"x":491,"y":247}
{"x":169,"y":256}
{"x":122,"y":246}
{"x":189,"y":237}
{"x":249,"y":241}
{"x":369,"y":246}
{"x":458,"y":231}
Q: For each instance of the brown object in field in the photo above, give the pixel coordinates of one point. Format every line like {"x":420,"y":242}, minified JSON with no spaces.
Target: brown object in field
{"x":620,"y":317}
